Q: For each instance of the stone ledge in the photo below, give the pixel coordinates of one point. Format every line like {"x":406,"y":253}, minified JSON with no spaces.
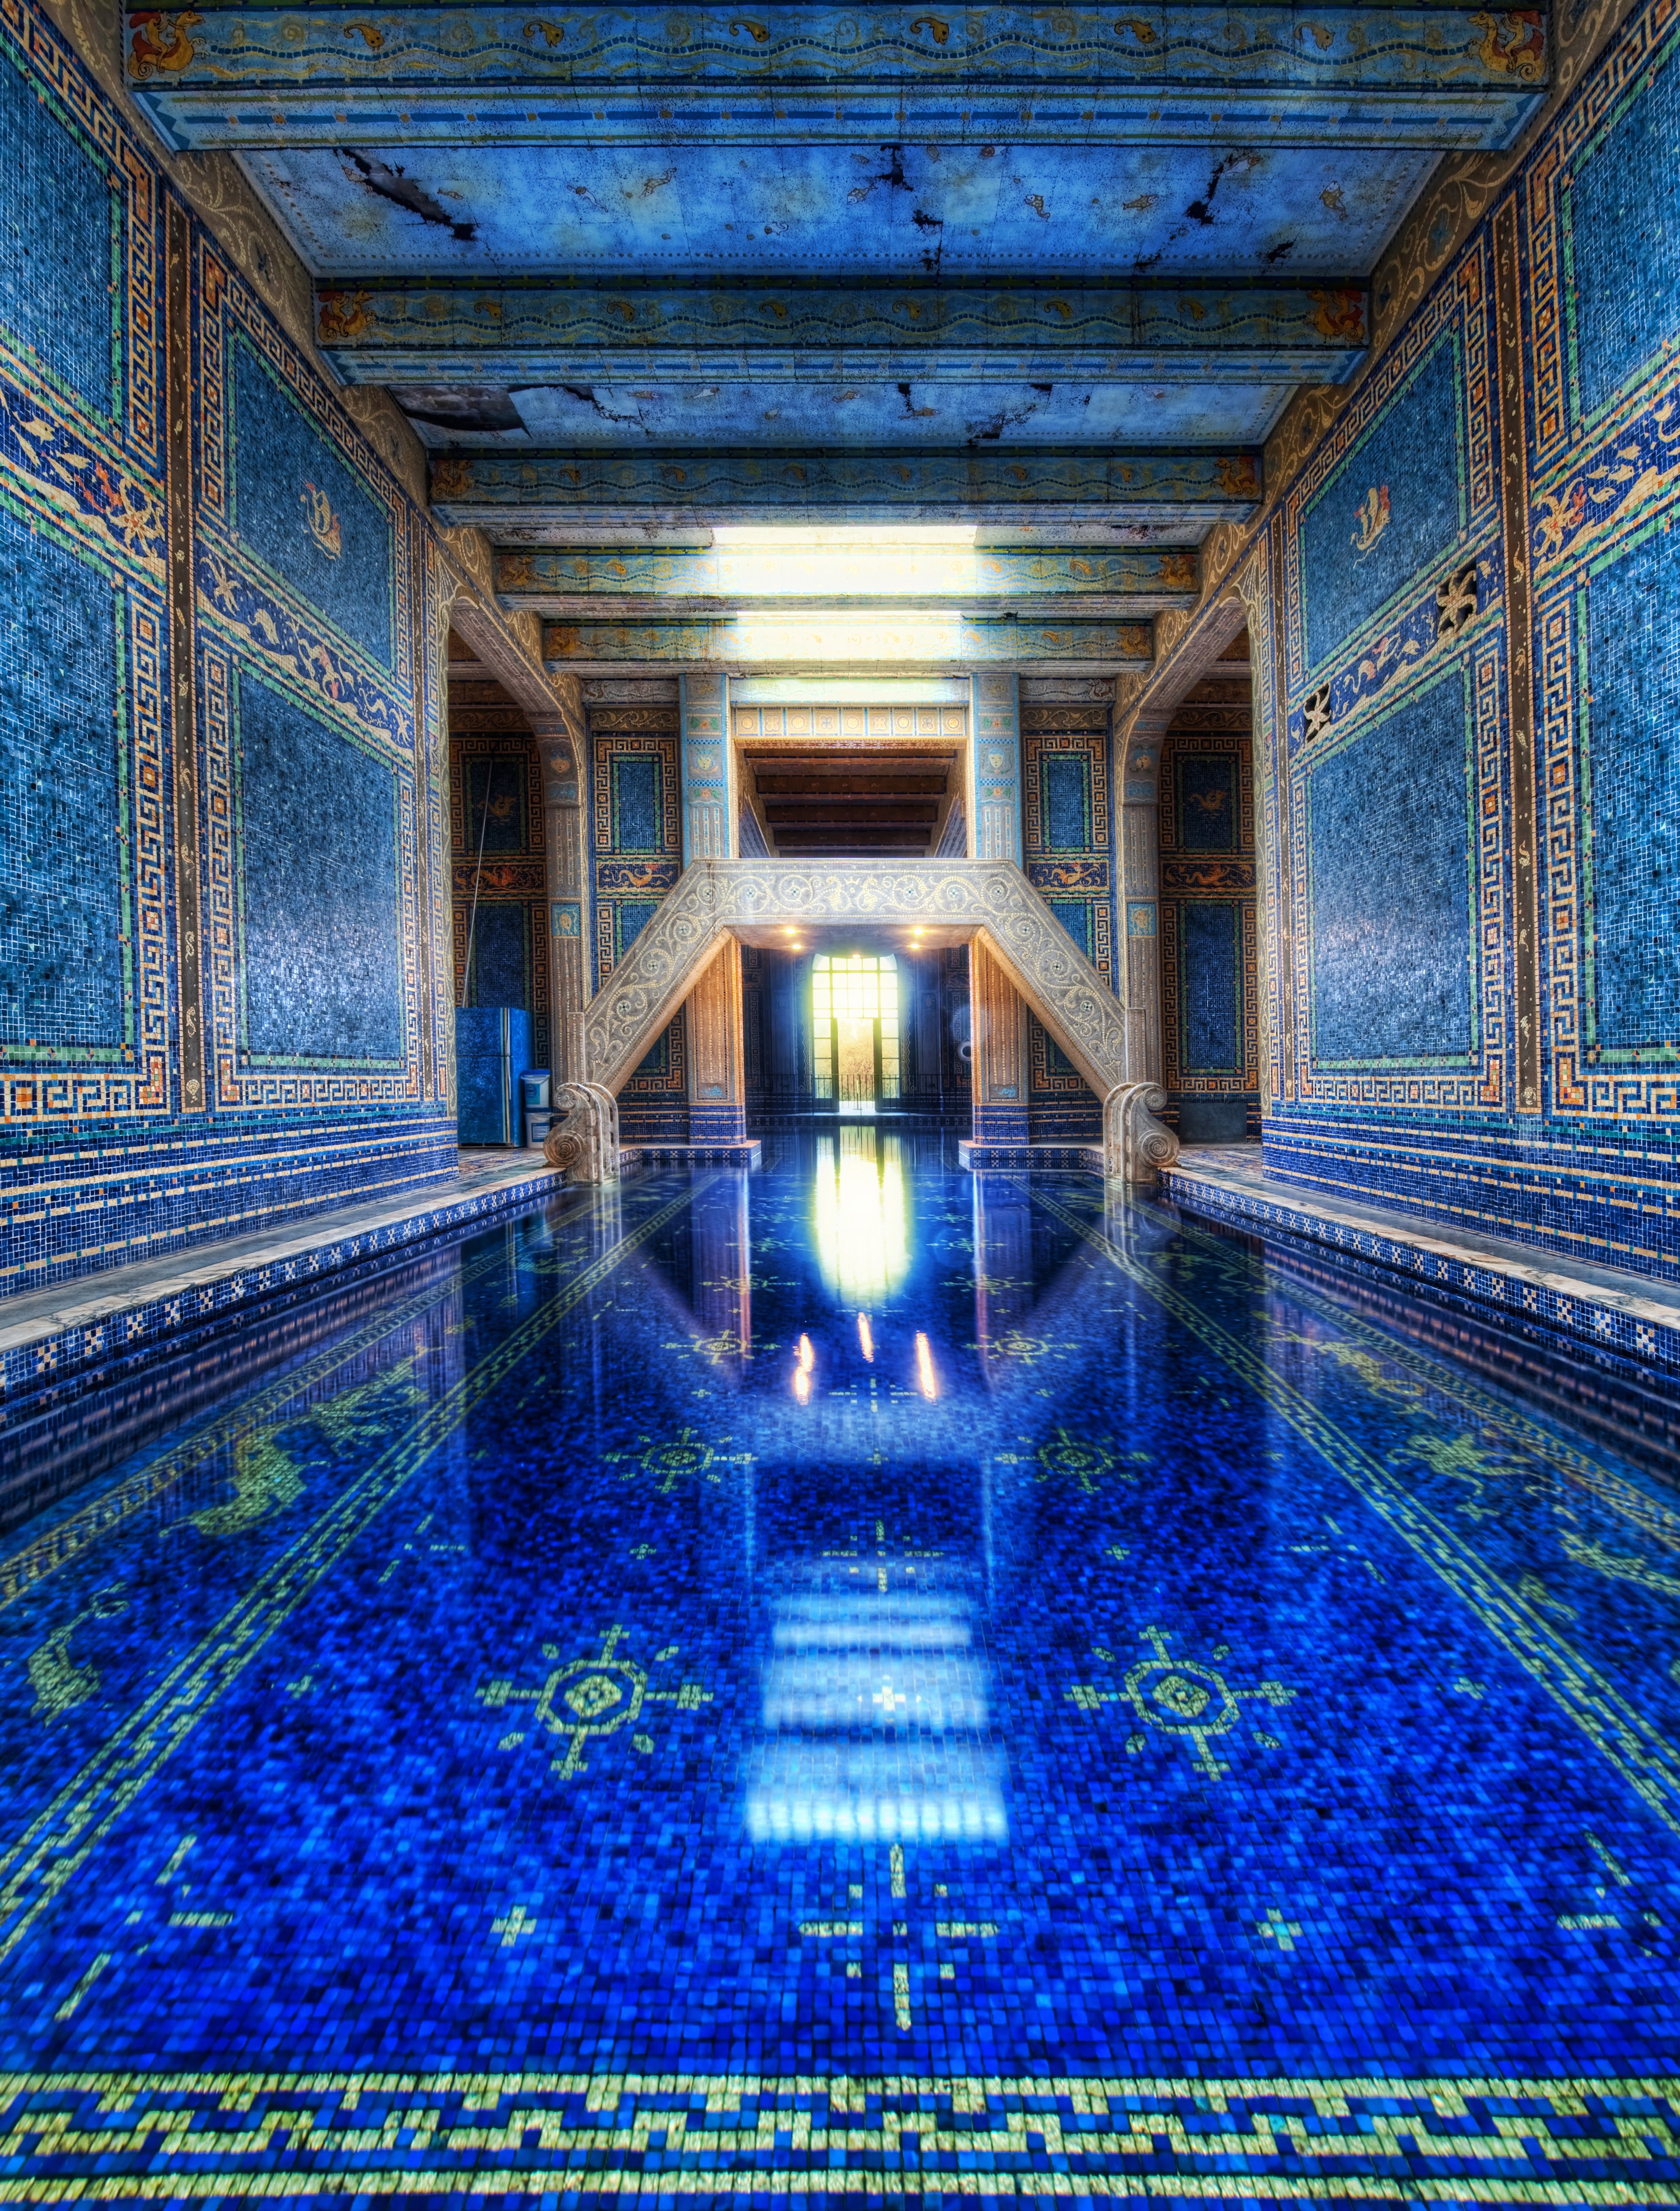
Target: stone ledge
{"x":749,"y":1153}
{"x":1069,"y":1158}
{"x":80,"y":1323}
{"x":1608,"y":1307}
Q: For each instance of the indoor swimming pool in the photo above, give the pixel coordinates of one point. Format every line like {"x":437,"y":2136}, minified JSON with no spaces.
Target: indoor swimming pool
{"x":852,"y":1679}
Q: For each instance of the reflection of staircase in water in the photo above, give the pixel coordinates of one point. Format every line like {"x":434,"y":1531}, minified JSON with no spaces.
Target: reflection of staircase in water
{"x":875,"y":1703}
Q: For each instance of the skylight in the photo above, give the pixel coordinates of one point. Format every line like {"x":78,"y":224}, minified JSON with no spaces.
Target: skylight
{"x":900,"y":560}
{"x":815,"y":539}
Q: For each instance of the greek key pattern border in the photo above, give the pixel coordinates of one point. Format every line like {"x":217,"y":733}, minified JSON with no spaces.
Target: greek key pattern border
{"x":1467,"y":299}
{"x":1486,"y":1088}
{"x":226,"y":306}
{"x":1243,"y":1081}
{"x":48,"y":61}
{"x":307,"y":1084}
{"x":1647,"y":44}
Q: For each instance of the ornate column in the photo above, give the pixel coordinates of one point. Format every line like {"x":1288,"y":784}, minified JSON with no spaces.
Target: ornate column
{"x":994,"y":768}
{"x":1000,"y":1062}
{"x":708,"y":770}
{"x":1141,"y":892}
{"x":999,"y":1019}
{"x":561,"y":746}
{"x":717,"y":1062}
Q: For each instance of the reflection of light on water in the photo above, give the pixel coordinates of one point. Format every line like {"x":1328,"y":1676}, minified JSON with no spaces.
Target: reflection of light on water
{"x":874,"y":1703}
{"x":802,"y":1791}
{"x":924,"y":1369}
{"x":807,"y":1360}
{"x":862,"y":1221}
{"x":865,"y":1338}
{"x":855,"y":1686}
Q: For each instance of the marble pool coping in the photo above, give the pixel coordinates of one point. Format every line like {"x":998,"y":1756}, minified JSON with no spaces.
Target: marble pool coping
{"x":1610,"y":1307}
{"x":87,"y":1320}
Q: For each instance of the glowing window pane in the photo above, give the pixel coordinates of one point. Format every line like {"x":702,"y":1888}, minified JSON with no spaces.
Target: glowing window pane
{"x":847,"y":988}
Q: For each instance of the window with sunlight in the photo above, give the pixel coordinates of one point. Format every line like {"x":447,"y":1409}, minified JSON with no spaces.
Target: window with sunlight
{"x":854,"y":1030}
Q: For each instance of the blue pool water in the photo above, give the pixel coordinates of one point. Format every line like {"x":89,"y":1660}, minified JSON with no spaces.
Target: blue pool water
{"x":858,"y":1678}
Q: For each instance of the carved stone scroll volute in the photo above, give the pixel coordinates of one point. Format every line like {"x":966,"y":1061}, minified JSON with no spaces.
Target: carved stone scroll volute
{"x":1136,"y":1145}
{"x":584,"y":1138}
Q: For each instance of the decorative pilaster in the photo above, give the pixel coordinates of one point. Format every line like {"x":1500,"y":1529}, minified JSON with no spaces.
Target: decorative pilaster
{"x":1139,"y":861}
{"x":708,"y":780}
{"x":999,"y":1064}
{"x":716,"y":1074}
{"x":561,"y":746}
{"x":994,"y":768}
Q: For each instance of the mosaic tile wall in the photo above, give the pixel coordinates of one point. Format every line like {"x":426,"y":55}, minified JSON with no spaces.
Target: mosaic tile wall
{"x":635,"y":831}
{"x":1455,"y":1026}
{"x":496,"y":833}
{"x":1209,"y":999}
{"x":223,"y":1001}
{"x":1068,"y":822}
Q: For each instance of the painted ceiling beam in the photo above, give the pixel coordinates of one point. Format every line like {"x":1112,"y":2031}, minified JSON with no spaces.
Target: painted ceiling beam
{"x":846,"y":643}
{"x":622,"y":583}
{"x":1420,"y":75}
{"x":533,"y":496}
{"x":576,"y":332}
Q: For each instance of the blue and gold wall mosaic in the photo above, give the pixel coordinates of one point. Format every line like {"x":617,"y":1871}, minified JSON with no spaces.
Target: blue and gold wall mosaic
{"x":201,"y":990}
{"x":1068,"y":826}
{"x":1209,"y":1001}
{"x":1474,"y":978}
{"x":636,"y":850}
{"x":499,"y":878}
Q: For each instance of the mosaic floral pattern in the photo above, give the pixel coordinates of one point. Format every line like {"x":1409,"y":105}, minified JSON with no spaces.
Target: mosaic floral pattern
{"x":818,"y":1757}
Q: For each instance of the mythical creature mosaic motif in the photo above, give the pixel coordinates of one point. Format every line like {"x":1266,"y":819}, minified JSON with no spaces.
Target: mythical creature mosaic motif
{"x":1400,"y":796}
{"x":1398,"y":842}
{"x":1605,"y":460}
{"x":340,"y":661}
{"x":146,"y":842}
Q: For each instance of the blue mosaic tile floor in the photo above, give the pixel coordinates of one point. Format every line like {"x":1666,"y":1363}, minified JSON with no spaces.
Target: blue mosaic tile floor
{"x":855,"y":1680}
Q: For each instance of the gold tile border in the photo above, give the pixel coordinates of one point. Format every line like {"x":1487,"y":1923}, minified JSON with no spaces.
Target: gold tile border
{"x":188,"y":2159}
{"x":1644,"y":1757}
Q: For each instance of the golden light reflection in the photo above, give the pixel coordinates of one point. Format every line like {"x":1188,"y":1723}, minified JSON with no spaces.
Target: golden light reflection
{"x":865,"y":1338}
{"x":926,"y":1381}
{"x":862,"y":1216}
